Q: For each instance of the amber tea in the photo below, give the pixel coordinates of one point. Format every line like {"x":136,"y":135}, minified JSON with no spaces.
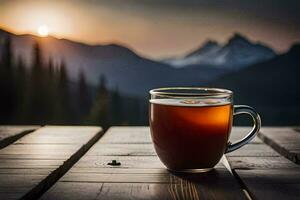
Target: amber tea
{"x":190,"y":127}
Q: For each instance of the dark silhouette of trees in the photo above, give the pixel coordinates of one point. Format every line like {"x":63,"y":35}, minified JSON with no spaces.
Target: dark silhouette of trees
{"x":116,"y":107}
{"x":42,"y":93}
{"x":50,"y":68}
{"x":38,"y":88}
{"x":20,"y":90}
{"x":84,"y":97}
{"x":52,"y":85}
{"x":63,"y":95}
{"x":6,"y":82}
{"x":100,"y":110}
{"x":49,"y":97}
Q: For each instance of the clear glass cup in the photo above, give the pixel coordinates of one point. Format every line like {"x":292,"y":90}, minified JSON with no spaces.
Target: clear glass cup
{"x":190,"y":126}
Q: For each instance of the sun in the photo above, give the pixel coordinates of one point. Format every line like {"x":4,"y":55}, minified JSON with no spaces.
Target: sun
{"x":43,"y":30}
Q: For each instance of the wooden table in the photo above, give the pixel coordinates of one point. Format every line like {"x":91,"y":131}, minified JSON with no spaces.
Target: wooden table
{"x":71,"y":162}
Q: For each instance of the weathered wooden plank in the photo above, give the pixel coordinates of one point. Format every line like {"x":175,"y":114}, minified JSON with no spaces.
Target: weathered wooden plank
{"x":17,"y":184}
{"x":124,"y":191}
{"x":239,"y":132}
{"x":214,"y":185}
{"x":28,"y":168}
{"x":284,"y":140}
{"x":56,"y":135}
{"x":141,"y":175}
{"x":260,"y":162}
{"x":127,"y":135}
{"x":123,"y":150}
{"x":11,"y":195}
{"x":9,"y":134}
{"x":267,"y":175}
{"x":19,"y":164}
{"x":116,"y":170}
{"x":39,"y":149}
{"x":184,"y":190}
{"x":163,"y":176}
{"x":254,"y":150}
{"x":139,"y":162}
{"x":73,"y":191}
{"x":148,"y":162}
{"x":117,"y":178}
{"x":19,"y":180}
{"x":272,"y":183}
{"x":35,"y":156}
{"x":35,"y":171}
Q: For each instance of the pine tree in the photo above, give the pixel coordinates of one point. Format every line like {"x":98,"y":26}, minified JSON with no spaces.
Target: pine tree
{"x":7,"y":53}
{"x":64,"y":95}
{"x":51,"y":92}
{"x":36,"y":87}
{"x":21,"y":86}
{"x":6,"y":83}
{"x":100,"y":110}
{"x":50,"y":67}
{"x":40,"y":96}
{"x":116,"y":107}
{"x":84,"y":97}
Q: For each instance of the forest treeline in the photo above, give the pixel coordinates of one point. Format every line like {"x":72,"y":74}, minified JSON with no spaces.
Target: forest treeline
{"x":42,"y":93}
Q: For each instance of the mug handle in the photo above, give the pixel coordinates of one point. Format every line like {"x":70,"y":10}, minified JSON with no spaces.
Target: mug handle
{"x":242,"y":109}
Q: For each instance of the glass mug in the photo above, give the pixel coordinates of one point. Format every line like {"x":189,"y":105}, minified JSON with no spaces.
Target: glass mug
{"x":190,"y":126}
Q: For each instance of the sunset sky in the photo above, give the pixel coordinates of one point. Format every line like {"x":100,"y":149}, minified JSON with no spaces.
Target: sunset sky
{"x":157,"y":28}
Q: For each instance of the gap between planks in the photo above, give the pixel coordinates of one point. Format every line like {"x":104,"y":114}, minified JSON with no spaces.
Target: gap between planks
{"x":285,"y":141}
{"x":92,"y":170}
{"x":12,"y":133}
{"x":55,"y":175}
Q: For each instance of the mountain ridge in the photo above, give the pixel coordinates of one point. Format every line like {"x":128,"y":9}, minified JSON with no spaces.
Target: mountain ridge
{"x":123,"y":69}
{"x":3,"y":31}
{"x":208,"y":45}
{"x":237,"y":53}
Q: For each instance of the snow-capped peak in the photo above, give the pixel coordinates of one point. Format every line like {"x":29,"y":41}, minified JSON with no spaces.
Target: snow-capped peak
{"x":237,"y":53}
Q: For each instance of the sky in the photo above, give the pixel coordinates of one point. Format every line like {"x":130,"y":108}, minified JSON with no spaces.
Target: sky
{"x":157,"y":28}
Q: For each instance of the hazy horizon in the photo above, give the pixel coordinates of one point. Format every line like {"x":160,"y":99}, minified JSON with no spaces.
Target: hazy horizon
{"x":134,"y":50}
{"x":156,"y":29}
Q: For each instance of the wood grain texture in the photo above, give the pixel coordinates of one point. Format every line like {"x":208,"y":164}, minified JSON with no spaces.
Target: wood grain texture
{"x":272,"y":183}
{"x":286,"y":141}
{"x":260,"y":162}
{"x":141,"y":175}
{"x":123,"y":150}
{"x":268,"y":175}
{"x":218,"y":184}
{"x":31,"y":165}
{"x":254,"y":150}
{"x":122,"y":191}
{"x":239,"y":132}
{"x":30,"y":161}
{"x":9,"y":134}
{"x":127,"y":135}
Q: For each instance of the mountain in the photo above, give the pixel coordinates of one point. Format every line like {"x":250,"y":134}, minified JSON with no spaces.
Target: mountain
{"x":258,"y":76}
{"x":122,"y":67}
{"x":271,"y":86}
{"x":209,"y":47}
{"x":237,"y":53}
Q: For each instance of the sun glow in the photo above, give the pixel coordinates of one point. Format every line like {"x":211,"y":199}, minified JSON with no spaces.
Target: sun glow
{"x":43,"y":31}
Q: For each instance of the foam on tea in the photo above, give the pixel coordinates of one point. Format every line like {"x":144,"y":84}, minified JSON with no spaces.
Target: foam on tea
{"x":190,"y":133}
{"x":189,"y":102}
